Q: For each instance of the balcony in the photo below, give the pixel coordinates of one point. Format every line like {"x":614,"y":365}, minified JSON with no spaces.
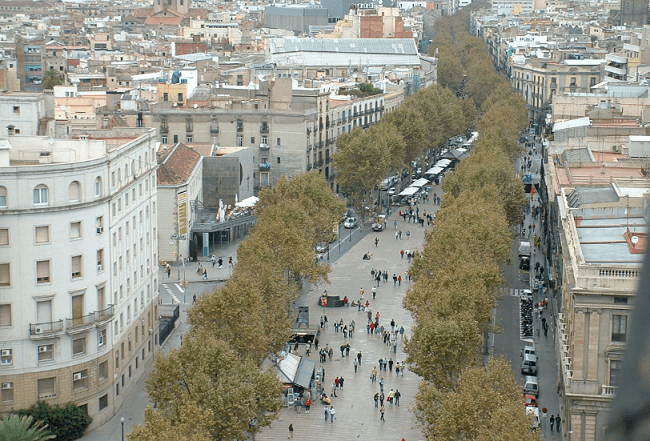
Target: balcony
{"x":344,"y":120}
{"x":214,"y":130}
{"x":265,"y":166}
{"x":331,"y":176}
{"x":381,"y":108}
{"x":309,"y":167}
{"x":189,"y":128}
{"x":80,"y":324}
{"x":45,"y":330}
{"x":264,"y":146}
{"x":328,"y":160}
{"x":264,"y":128}
{"x":318,"y":163}
{"x":104,"y":315}
{"x":240,"y":127}
{"x":164,"y":128}
{"x":320,"y":144}
{"x":609,"y":390}
{"x":309,"y":148}
{"x":308,"y":130}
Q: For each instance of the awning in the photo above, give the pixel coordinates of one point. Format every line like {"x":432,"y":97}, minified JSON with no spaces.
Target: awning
{"x":434,"y":171}
{"x":443,"y":163}
{"x":409,"y":191}
{"x":248,"y":202}
{"x":296,"y":370}
{"x":420,"y":182}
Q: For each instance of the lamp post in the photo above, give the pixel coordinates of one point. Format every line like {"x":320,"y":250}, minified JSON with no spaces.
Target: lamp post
{"x":122,"y":421}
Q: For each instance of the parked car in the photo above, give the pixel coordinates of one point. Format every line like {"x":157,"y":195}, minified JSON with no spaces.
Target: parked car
{"x":529,"y":364}
{"x":531,"y":386}
{"x":391,"y":191}
{"x":534,"y":411}
{"x":350,"y":222}
{"x":531,"y":400}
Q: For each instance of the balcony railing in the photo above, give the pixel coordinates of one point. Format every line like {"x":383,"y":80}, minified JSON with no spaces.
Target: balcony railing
{"x":264,"y":129}
{"x":328,"y":160}
{"x":189,"y":127}
{"x":309,"y":148}
{"x":265,"y":166}
{"x":104,"y":314}
{"x":344,"y":119}
{"x":318,"y":163}
{"x":164,"y":128}
{"x":240,"y":127}
{"x":264,"y":146}
{"x":45,"y":329}
{"x":309,"y":167}
{"x":609,"y":390}
{"x":80,"y":322}
{"x":214,"y":129}
{"x":332,"y":176}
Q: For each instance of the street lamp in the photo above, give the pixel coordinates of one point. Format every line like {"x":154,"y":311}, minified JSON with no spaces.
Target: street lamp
{"x":122,"y":421}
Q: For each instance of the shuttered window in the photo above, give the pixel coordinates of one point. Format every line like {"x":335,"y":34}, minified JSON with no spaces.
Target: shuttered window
{"x":3,"y":197}
{"x":78,"y":306}
{"x":5,"y":274}
{"x":75,"y":230}
{"x":43,"y":271}
{"x":74,"y":192}
{"x":47,"y":387}
{"x":44,"y":311}
{"x":76,"y":267}
{"x":5,"y":315}
{"x":42,"y":234}
{"x":4,"y":236}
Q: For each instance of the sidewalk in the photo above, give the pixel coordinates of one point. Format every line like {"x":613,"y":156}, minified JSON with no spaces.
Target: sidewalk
{"x":134,"y":405}
{"x":356,"y":416}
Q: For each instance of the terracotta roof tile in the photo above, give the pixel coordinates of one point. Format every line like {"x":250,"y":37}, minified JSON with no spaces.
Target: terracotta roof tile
{"x":176,"y":167}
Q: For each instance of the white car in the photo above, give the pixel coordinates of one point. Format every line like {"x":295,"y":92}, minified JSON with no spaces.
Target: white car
{"x":350,"y":222}
{"x":391,"y":191}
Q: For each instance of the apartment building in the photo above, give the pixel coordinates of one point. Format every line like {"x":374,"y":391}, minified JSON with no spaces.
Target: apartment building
{"x":78,"y":269}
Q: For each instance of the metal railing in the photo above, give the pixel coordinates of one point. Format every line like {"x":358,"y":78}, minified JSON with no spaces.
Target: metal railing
{"x":80,"y":322}
{"x":45,"y":328}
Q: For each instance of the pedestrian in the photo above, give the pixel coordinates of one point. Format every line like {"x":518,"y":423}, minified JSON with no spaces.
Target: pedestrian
{"x":193,"y":299}
{"x":397,"y":396}
{"x":230,"y":262}
{"x":356,"y":365}
{"x":395,"y":224}
{"x":376,"y":241}
{"x":308,"y":349}
{"x":205,"y":274}
{"x":374,"y":292}
{"x":390,"y":365}
{"x":326,"y":410}
{"x":359,"y":357}
{"x":214,"y":260}
{"x":307,"y":405}
{"x":401,"y":253}
{"x":373,"y":377}
{"x":399,"y":280}
{"x":381,"y":399}
{"x":376,"y":398}
{"x":220,"y":261}
{"x":401,"y":331}
{"x":169,"y":270}
{"x":381,"y":411}
{"x":381,"y":384}
{"x":290,"y":431}
{"x":394,"y":279}
{"x":408,"y":235}
{"x":396,"y":234}
{"x":332,"y":414}
{"x":551,"y":421}
{"x":557,"y":422}
{"x":341,"y":380}
{"x":334,"y":389}
{"x":325,"y":322}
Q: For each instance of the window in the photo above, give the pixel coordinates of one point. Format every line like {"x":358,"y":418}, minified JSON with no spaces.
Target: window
{"x":265,"y":139}
{"x":3,"y":197}
{"x":113,"y":178}
{"x":175,"y":139}
{"x":278,"y":159}
{"x":44,"y":311}
{"x":252,"y":140}
{"x":117,"y":385}
{"x":5,"y":274}
{"x":78,"y":309}
{"x":47,"y":387}
{"x":16,"y":110}
{"x":240,"y":141}
{"x":98,"y":187}
{"x":40,"y":195}
{"x":180,"y":97}
{"x":76,"y":267}
{"x":6,"y":357}
{"x":43,"y":234}
{"x":99,"y":224}
{"x":79,"y":346}
{"x":165,"y":96}
{"x":278,"y":141}
{"x":74,"y":191}
{"x":80,"y":380}
{"x":4,"y":236}
{"x":164,"y":139}
{"x":75,"y":230}
{"x":5,"y":315}
{"x":43,"y":271}
{"x":190,"y":138}
{"x":619,"y":327}
{"x":45,"y":353}
{"x":615,"y":372}
{"x":117,"y":359}
{"x":102,"y":370}
{"x":101,"y":338}
{"x":7,"y":392}
{"x":100,"y":260}
{"x":103,"y":402}
{"x":620,"y":299}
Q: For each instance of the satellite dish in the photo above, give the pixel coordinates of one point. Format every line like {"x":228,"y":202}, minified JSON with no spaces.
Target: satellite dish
{"x":196,"y":106}
{"x":51,"y":142}
{"x":635,"y":239}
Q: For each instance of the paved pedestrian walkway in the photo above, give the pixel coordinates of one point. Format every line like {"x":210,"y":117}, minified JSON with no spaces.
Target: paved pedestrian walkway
{"x":356,"y":415}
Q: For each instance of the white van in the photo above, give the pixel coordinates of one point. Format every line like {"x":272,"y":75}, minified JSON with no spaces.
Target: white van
{"x":529,"y":364}
{"x":530,"y":386}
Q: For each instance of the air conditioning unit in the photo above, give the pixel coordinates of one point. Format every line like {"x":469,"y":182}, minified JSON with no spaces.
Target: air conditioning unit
{"x":6,"y":352}
{"x":100,"y":339}
{"x":100,"y":267}
{"x":38,"y":330}
{"x":78,"y":376}
{"x":42,"y":349}
{"x":100,"y":230}
{"x":6,"y":386}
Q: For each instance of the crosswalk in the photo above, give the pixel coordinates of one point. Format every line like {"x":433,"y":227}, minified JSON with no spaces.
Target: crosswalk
{"x":171,"y":293}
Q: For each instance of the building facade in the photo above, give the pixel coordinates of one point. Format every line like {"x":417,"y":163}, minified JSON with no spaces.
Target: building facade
{"x":78,"y":269}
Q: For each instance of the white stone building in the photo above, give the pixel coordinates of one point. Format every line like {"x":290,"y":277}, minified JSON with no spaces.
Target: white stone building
{"x":78,"y":269}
